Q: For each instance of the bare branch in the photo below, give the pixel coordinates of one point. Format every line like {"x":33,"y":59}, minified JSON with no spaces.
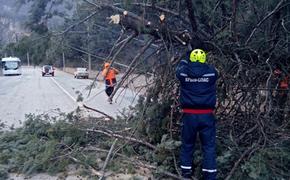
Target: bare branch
{"x":191,"y":15}
{"x":112,"y":134}
{"x":94,"y":55}
{"x":129,"y":20}
{"x":138,"y":163}
{"x":98,"y":111}
{"x":107,"y":159}
{"x":233,"y":19}
{"x":275,"y":10}
{"x":93,"y":170}
{"x":161,"y":9}
{"x":129,"y":70}
{"x":78,"y":23}
{"x":237,"y":163}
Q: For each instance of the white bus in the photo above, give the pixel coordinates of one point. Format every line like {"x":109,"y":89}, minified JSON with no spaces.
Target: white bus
{"x":11,"y":66}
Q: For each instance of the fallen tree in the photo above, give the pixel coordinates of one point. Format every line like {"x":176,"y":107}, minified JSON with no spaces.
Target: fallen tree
{"x":248,"y":42}
{"x":252,"y":105}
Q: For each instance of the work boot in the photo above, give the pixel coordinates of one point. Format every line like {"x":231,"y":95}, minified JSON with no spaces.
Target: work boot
{"x":209,"y":175}
{"x":186,"y":174}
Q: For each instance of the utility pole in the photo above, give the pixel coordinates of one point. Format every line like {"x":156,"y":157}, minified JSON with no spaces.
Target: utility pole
{"x":63,"y":61}
{"x":63,"y":56}
{"x":89,"y":55}
{"x":28,"y":60}
{"x":90,"y":64}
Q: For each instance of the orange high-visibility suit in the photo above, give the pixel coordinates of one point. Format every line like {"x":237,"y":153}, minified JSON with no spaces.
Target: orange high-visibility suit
{"x":109,"y":75}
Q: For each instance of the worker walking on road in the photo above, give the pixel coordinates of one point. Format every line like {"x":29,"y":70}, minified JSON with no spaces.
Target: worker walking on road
{"x":109,"y":75}
{"x":198,"y":99}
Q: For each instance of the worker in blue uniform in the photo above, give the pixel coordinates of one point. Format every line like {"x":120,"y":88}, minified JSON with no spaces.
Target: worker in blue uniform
{"x":198,"y":100}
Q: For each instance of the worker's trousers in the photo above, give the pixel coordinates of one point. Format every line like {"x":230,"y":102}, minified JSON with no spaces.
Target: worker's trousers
{"x":110,"y":83}
{"x":109,"y":90}
{"x":204,"y":124}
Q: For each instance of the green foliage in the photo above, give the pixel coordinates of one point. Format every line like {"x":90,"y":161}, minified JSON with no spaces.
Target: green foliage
{"x":40,"y":145}
{"x":51,"y":144}
{"x":40,"y":12}
{"x":127,"y":3}
{"x":37,"y":12}
{"x":165,"y":149}
{"x":9,"y":49}
{"x":168,"y":143}
{"x":41,"y":46}
{"x":225,"y":30}
{"x":269,"y":163}
{"x":3,"y":173}
{"x":35,"y":45}
{"x":152,"y":118}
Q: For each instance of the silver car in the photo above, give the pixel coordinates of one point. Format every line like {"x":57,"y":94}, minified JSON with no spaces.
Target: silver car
{"x":81,"y":73}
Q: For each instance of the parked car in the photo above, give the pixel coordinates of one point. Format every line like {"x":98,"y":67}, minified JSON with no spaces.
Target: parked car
{"x":47,"y":70}
{"x":81,"y":72}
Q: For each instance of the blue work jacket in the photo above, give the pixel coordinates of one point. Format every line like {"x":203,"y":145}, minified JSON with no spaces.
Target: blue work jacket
{"x":198,"y":85}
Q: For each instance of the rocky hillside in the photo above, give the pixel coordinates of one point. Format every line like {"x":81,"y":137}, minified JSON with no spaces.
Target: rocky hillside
{"x":12,"y":18}
{"x":14,"y":15}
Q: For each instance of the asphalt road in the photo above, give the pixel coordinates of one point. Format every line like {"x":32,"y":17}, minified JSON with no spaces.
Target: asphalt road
{"x":32,"y":93}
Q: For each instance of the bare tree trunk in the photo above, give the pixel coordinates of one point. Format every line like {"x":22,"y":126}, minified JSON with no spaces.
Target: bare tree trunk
{"x":233,"y":21}
{"x":191,"y":15}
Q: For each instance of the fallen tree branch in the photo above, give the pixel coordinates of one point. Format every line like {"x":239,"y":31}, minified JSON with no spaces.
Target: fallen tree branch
{"x":98,"y":111}
{"x":120,"y":10}
{"x":137,"y":163}
{"x":233,"y":20}
{"x":129,"y":20}
{"x":237,"y":163}
{"x":78,"y":23}
{"x":161,"y":9}
{"x":112,"y":134}
{"x":247,"y":132}
{"x":191,"y":15}
{"x":107,"y":159}
{"x":126,"y":42}
{"x":129,"y":70}
{"x":93,"y":170}
{"x":240,"y":69}
{"x":94,"y":55}
{"x":149,"y":5}
{"x":117,"y":43}
{"x":276,"y":9}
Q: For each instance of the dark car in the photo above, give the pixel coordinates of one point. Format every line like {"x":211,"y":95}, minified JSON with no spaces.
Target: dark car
{"x":47,"y":70}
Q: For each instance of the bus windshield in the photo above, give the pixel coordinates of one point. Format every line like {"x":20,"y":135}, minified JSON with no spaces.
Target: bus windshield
{"x":11,"y":65}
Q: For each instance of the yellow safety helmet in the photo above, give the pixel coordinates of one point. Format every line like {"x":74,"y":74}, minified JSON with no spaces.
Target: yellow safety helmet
{"x":197,"y":55}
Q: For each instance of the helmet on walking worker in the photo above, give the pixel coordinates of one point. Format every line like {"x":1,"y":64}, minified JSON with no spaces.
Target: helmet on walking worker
{"x":107,"y":65}
{"x":197,"y":55}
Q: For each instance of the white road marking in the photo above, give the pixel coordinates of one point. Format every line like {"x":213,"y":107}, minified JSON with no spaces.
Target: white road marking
{"x":67,"y":93}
